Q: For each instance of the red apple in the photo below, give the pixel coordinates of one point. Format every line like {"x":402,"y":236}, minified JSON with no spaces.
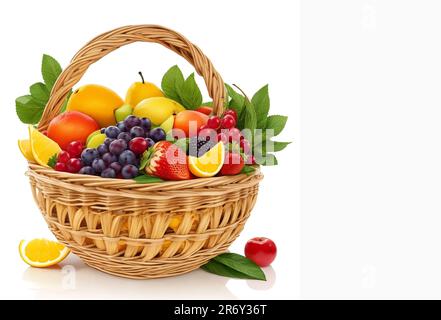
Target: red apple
{"x":261,"y":250}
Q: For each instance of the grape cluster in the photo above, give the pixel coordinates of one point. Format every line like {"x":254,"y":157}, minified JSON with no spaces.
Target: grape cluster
{"x":120,"y":154}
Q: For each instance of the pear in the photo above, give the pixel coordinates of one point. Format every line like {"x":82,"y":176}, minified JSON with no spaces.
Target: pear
{"x":122,"y":112}
{"x":142,"y":90}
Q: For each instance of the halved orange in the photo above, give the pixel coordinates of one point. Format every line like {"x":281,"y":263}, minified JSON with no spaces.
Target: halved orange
{"x":209,"y":164}
{"x":42,"y":253}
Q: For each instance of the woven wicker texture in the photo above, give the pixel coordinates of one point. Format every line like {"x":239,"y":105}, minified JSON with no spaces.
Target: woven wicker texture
{"x":142,"y":231}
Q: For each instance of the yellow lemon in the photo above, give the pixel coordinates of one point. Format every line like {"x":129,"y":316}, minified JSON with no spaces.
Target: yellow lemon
{"x":42,"y":147}
{"x":97,"y":102}
{"x":157,"y":109}
{"x":42,"y":253}
{"x":25,"y":147}
{"x":209,"y":164}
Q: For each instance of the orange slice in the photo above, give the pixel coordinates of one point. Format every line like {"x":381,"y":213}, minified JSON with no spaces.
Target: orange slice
{"x":209,"y":164}
{"x":42,"y":147}
{"x":25,"y":147}
{"x":42,"y":253}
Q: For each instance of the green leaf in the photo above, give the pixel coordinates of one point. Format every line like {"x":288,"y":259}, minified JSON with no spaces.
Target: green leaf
{"x":234,"y":265}
{"x":276,"y":146}
{"x":222,"y":270}
{"x":261,"y":103}
{"x":277,"y":123}
{"x":248,"y":170}
{"x":28,"y":109}
{"x":237,"y":100}
{"x":64,"y":106}
{"x":142,"y":179}
{"x":172,"y":82}
{"x":250,"y":118}
{"x":39,"y":92}
{"x":50,"y":70}
{"x":269,"y":160}
{"x":190,"y":94}
{"x":52,"y":160}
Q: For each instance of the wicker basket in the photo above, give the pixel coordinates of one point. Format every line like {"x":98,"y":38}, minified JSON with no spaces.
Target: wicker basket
{"x":142,"y":231}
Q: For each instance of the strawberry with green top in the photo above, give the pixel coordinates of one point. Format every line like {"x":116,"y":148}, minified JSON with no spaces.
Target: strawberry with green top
{"x":166,"y":161}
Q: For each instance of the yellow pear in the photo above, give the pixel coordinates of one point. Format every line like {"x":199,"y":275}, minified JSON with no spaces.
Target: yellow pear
{"x":96,"y":101}
{"x":157,"y":109}
{"x":140,"y":91}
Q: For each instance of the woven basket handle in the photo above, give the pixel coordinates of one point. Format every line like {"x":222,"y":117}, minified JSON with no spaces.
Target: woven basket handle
{"x":112,"y":40}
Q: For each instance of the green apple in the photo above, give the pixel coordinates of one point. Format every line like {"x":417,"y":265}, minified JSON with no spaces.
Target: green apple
{"x":96,"y":140}
{"x":93,"y":134}
{"x":167,"y":125}
{"x":122,"y":112}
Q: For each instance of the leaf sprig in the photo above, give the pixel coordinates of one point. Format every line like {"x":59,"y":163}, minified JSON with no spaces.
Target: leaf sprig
{"x":30,"y":107}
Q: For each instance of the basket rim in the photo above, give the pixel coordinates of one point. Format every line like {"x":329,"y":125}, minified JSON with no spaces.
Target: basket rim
{"x":103,"y":185}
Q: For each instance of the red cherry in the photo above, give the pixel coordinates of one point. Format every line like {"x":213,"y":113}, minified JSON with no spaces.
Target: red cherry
{"x":75,"y":148}
{"x":245,"y":146}
{"x":138,"y":145}
{"x":222,"y":137}
{"x":60,"y":166}
{"x":261,"y":250}
{"x":63,"y":156}
{"x":231,"y":112}
{"x":228,"y":122}
{"x":74,"y":165}
{"x":213,"y":122}
{"x":234,"y":135}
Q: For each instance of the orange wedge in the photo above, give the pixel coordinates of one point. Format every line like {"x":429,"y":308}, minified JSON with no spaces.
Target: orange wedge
{"x":42,"y":253}
{"x":25,"y":147}
{"x":42,"y":147}
{"x":209,"y":164}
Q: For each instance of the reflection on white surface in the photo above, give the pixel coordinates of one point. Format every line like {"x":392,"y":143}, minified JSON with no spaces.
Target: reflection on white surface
{"x":75,"y":280}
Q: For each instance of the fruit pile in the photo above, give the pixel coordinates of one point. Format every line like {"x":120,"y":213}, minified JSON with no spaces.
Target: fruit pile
{"x":167,"y":134}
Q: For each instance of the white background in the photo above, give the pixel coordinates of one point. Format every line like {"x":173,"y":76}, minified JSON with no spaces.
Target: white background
{"x":354,"y":203}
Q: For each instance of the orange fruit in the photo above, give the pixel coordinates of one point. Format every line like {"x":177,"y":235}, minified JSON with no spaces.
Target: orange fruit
{"x":43,"y":148}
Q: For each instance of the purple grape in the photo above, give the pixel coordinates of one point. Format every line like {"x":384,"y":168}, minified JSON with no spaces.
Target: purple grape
{"x":107,"y":141}
{"x":146,"y":124}
{"x":108,"y":158}
{"x":157,"y":134}
{"x":117,"y":146}
{"x":102,"y":149}
{"x":129,"y":171}
{"x":112,"y":132}
{"x":116,"y":166}
{"x":125,"y":136}
{"x":102,"y":130}
{"x":137,"y":132}
{"x":127,"y":157}
{"x":99,"y":165}
{"x":150,"y":142}
{"x":131,"y":121}
{"x":108,"y":173}
{"x":121,"y":126}
{"x":88,"y":155}
{"x":87,"y":170}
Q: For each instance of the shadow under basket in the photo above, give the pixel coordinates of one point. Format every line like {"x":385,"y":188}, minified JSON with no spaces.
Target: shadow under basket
{"x":133,"y":230}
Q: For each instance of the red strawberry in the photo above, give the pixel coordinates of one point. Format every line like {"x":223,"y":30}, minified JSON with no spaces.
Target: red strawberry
{"x":167,"y":161}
